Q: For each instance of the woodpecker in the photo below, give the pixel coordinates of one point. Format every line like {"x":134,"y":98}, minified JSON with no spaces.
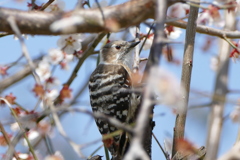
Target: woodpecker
{"x":110,"y":88}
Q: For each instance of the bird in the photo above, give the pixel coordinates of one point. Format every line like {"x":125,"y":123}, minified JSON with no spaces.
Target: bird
{"x":110,"y":87}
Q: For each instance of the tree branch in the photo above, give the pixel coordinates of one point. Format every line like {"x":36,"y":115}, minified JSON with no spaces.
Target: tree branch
{"x":179,"y":128}
{"x":220,"y":90}
{"x":38,"y":22}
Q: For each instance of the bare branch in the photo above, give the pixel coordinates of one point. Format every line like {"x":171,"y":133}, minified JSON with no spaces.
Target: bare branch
{"x":17,"y":32}
{"x":207,"y":30}
{"x":88,"y":52}
{"x":18,"y":76}
{"x":142,"y":137}
{"x":179,"y":128}
{"x":220,"y":90}
{"x":75,"y":147}
{"x":46,"y":5}
{"x":37,"y":22}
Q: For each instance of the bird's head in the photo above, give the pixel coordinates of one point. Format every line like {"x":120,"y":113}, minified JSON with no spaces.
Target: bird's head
{"x":117,"y":52}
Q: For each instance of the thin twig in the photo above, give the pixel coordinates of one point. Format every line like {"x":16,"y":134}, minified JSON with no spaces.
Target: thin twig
{"x":14,"y":142}
{"x":225,"y":38}
{"x":88,"y":52}
{"x":95,"y":151}
{"x":101,"y":10}
{"x":46,"y":5}
{"x":59,"y":126}
{"x":159,"y":144}
{"x":8,"y":141}
{"x":106,"y":153}
{"x":31,"y":149}
{"x":19,"y":75}
{"x":17,"y":32}
{"x":96,"y":115}
{"x":145,"y":39}
{"x":49,"y":145}
{"x":136,"y":51}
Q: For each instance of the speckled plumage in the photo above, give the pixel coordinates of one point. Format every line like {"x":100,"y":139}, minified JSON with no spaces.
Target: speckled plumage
{"x":110,"y":91}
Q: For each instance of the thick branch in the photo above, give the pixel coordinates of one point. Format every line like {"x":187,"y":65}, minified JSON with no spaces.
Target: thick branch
{"x":125,"y":15}
{"x":121,"y":16}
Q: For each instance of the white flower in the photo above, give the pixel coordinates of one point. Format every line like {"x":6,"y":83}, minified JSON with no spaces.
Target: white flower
{"x":57,"y":156}
{"x":43,"y":69}
{"x":56,"y":6}
{"x":44,"y":127}
{"x":102,"y":3}
{"x":70,"y":43}
{"x":14,"y":127}
{"x":33,"y":137}
{"x":55,"y":56}
{"x":65,"y":63}
{"x":175,"y":33}
{"x":221,"y":2}
{"x":149,"y":38}
{"x":235,"y":114}
{"x":205,"y":18}
{"x":214,"y":63}
{"x":49,"y":97}
{"x":53,"y":82}
{"x":23,"y":35}
{"x":210,"y":16}
{"x":166,"y":87}
{"x":178,"y":10}
{"x":148,"y":43}
{"x":52,"y":94}
{"x":23,"y":156}
{"x":68,"y":57}
{"x":168,"y":146}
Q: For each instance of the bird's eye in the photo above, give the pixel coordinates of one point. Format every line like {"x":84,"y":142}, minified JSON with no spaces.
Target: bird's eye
{"x":118,"y":47}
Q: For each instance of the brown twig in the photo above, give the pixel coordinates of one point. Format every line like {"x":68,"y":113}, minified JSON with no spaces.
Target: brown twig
{"x":186,"y":77}
{"x":165,"y":154}
{"x":18,"y":76}
{"x":46,"y":5}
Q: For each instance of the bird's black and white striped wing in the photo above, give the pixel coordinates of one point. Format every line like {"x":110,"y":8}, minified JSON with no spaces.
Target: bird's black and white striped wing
{"x":110,"y":94}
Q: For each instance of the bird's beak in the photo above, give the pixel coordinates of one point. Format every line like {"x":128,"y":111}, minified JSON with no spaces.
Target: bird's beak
{"x":133,"y":44}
